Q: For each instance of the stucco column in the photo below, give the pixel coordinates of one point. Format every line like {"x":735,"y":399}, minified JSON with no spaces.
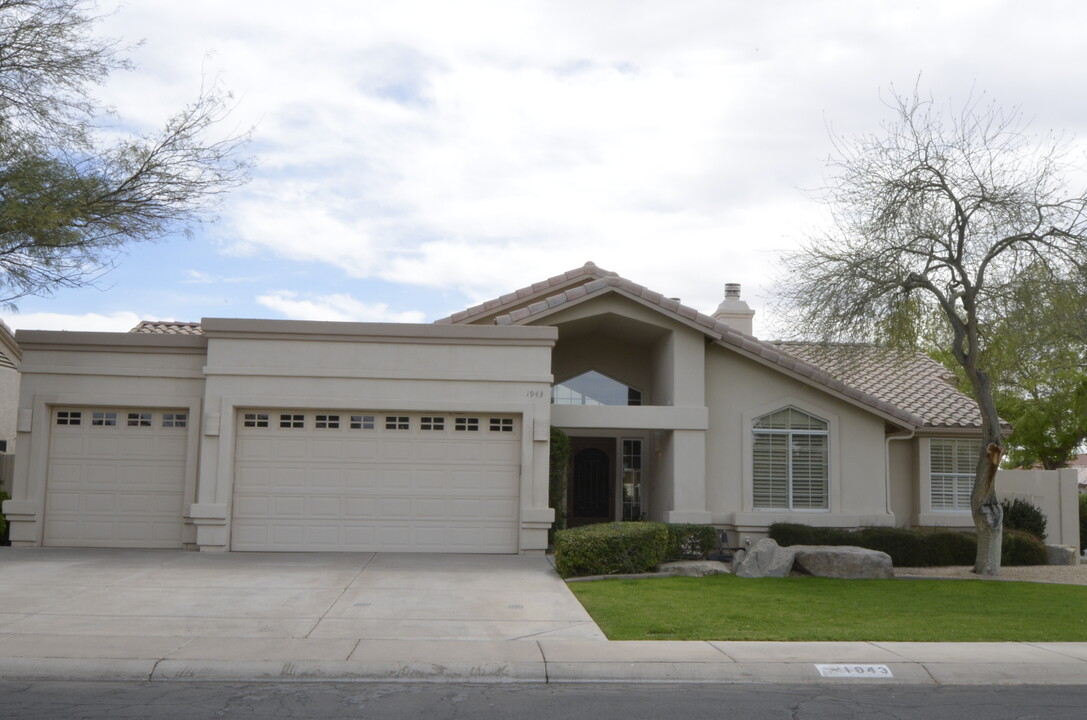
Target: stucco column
{"x":689,"y":478}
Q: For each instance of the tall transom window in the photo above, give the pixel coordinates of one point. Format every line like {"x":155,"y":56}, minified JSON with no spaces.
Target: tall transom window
{"x":594,"y":388}
{"x":791,"y":461}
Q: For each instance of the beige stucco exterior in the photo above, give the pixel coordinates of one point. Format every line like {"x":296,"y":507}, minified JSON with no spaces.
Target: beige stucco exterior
{"x":240,"y":364}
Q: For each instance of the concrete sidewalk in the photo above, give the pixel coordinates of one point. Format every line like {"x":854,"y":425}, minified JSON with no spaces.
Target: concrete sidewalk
{"x":155,"y":615}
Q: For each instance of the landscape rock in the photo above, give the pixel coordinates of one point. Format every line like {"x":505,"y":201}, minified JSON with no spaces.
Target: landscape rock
{"x":843,"y":561}
{"x":766,"y":559}
{"x":738,"y":559}
{"x":694,"y":568}
{"x":1062,"y":554}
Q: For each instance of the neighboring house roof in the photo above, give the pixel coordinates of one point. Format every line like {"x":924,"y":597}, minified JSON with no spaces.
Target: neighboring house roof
{"x":909,"y":380}
{"x":155,"y":327}
{"x":10,"y":354}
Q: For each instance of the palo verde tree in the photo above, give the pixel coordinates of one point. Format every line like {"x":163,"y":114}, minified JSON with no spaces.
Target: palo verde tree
{"x":932,"y":221}
{"x":73,"y":189}
{"x":1036,"y":351}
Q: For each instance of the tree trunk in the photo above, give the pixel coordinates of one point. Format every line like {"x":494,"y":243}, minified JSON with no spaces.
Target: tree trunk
{"x":988,"y":515}
{"x":984,"y":507}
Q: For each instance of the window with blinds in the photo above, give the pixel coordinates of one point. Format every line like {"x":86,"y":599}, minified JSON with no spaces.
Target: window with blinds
{"x":952,"y":463}
{"x":791,"y":461}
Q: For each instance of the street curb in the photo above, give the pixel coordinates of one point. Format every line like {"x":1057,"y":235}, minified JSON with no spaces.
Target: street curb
{"x":732,"y":673}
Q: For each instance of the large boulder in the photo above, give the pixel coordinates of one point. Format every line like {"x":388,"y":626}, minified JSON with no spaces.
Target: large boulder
{"x":1062,"y":554}
{"x":766,"y":559}
{"x":842,"y":561}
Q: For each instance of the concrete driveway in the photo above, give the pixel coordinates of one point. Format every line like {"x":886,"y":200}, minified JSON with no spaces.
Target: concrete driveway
{"x":334,"y":596}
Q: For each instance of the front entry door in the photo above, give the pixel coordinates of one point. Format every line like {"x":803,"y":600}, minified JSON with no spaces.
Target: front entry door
{"x":592,"y":477}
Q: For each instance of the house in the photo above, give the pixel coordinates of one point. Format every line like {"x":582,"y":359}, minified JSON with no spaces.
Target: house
{"x":10,"y":356}
{"x":237,"y":434}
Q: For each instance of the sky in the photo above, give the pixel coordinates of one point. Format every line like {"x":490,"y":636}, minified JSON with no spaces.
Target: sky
{"x":414,"y":158}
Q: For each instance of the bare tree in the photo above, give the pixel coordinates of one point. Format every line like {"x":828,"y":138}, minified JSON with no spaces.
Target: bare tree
{"x":69,"y":199}
{"x":932,"y":221}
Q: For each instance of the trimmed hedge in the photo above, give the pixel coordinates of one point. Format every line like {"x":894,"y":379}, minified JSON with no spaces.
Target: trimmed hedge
{"x":1022,"y":548}
{"x":915,"y":548}
{"x":611,"y":548}
{"x":688,"y":541}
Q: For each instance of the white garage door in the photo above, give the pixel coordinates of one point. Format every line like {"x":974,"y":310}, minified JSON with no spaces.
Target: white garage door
{"x":376,"y":481}
{"x":116,"y":478}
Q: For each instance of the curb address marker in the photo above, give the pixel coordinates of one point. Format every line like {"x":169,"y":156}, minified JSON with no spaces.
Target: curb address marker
{"x":854,"y":671}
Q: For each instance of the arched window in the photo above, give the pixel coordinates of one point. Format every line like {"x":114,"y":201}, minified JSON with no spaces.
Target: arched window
{"x":790,"y":463}
{"x":594,"y":388}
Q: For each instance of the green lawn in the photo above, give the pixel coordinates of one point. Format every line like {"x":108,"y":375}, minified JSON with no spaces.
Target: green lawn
{"x":724,"y":607}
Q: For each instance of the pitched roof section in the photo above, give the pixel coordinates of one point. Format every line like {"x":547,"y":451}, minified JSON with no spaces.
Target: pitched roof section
{"x":748,"y":345}
{"x":10,"y":353}
{"x":485,"y":312}
{"x":912,"y":381}
{"x":154,"y":327}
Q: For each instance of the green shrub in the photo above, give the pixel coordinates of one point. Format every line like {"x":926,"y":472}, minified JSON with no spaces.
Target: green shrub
{"x":1022,"y":548}
{"x":917,"y":547}
{"x":1082,"y":523}
{"x":687,"y":541}
{"x":611,"y":548}
{"x":1024,"y":515}
{"x":906,"y":548}
{"x":796,"y":534}
{"x":3,"y":520}
{"x":556,"y":490}
{"x":946,"y":547}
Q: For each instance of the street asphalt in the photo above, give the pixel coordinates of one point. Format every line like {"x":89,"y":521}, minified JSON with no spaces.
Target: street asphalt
{"x":91,"y":614}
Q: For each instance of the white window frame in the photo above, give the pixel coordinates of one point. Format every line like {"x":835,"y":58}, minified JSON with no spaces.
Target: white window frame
{"x":790,"y":435}
{"x":958,"y":477}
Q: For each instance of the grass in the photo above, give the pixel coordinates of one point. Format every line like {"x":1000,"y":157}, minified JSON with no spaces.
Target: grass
{"x":724,"y":607}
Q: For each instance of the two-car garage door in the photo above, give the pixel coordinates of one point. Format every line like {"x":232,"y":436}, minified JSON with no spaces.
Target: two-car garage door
{"x":376,"y":481}
{"x":303,"y":480}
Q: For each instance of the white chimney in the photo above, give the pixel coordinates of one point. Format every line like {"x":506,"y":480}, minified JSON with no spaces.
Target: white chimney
{"x":733,"y":311}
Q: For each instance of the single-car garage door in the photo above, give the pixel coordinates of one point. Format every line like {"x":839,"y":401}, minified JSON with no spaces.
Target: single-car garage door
{"x":116,"y":477}
{"x":376,"y":481}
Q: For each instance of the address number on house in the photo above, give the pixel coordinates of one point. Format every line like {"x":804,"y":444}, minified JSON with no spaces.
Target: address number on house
{"x":857,"y":671}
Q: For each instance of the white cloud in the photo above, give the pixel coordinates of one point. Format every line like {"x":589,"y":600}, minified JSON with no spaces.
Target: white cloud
{"x":336,"y":307}
{"x":122,"y":321}
{"x":414,"y":143}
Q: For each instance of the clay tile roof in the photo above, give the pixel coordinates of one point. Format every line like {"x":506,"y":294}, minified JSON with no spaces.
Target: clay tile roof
{"x":911,"y":388}
{"x":587,"y":271}
{"x":908,"y":380}
{"x":155,"y":327}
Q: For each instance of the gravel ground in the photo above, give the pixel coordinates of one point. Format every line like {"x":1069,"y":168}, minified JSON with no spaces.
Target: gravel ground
{"x":1064,"y":574}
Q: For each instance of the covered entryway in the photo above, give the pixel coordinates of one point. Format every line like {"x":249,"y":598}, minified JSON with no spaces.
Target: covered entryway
{"x":116,"y":477}
{"x":376,"y":481}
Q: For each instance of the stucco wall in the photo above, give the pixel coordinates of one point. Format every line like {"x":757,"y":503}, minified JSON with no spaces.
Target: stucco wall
{"x":1055,"y":493}
{"x":95,"y":369}
{"x":374,"y":367}
{"x":740,"y":390}
{"x":271,"y":364}
{"x":902,"y":462}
